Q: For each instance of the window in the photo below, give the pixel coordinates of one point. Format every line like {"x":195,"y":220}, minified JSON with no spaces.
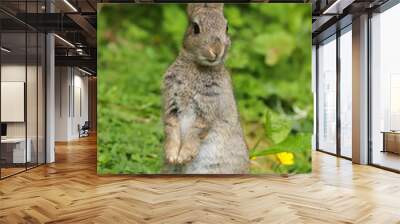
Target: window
{"x":385,"y":89}
{"x":346,"y":93}
{"x":22,"y":77}
{"x":327,"y":95}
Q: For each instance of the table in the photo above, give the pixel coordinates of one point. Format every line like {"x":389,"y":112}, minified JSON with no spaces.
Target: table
{"x":391,"y":141}
{"x":16,"y":147}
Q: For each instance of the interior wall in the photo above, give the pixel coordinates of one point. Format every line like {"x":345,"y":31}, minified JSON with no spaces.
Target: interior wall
{"x":16,"y":73}
{"x":92,"y":98}
{"x":62,"y":81}
{"x":33,"y":126}
{"x":80,"y":104}
{"x":71,"y":102}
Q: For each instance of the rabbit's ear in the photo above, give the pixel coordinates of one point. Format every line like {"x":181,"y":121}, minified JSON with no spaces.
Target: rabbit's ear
{"x":218,"y":6}
{"x":193,"y":7}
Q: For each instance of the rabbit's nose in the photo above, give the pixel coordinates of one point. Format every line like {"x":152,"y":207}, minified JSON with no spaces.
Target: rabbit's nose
{"x":213,"y":55}
{"x":216,"y":49}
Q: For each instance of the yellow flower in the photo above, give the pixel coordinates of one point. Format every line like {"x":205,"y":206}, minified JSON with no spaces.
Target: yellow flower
{"x":286,"y":158}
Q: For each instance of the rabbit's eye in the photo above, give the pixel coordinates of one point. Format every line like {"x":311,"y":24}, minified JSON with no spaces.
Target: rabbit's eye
{"x":227,"y":28}
{"x":196,"y":28}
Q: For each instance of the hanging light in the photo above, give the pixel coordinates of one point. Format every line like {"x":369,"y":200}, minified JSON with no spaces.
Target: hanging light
{"x":5,"y":50}
{"x":84,"y":71}
{"x":70,"y":5}
{"x":64,"y":40}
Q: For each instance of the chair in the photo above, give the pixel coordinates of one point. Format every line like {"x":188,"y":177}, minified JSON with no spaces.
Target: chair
{"x":84,"y":130}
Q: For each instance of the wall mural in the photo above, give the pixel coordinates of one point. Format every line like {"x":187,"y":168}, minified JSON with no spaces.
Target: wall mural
{"x":204,"y":88}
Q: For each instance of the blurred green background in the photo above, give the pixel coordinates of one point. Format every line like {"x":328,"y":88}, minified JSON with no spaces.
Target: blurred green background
{"x":270,"y":64}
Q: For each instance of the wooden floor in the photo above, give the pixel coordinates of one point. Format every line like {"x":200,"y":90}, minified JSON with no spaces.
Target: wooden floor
{"x":69,"y":191}
{"x":5,"y":172}
{"x":386,"y":159}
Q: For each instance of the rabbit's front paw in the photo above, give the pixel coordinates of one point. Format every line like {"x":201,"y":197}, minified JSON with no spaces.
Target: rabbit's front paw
{"x":171,"y":152}
{"x":186,"y":154}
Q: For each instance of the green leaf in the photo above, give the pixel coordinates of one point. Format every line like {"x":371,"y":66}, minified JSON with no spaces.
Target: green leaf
{"x":277,"y":127}
{"x":293,"y":143}
{"x":275,"y":46}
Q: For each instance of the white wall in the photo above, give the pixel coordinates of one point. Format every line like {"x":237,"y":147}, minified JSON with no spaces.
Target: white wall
{"x":13,"y":101}
{"x":33,"y":126}
{"x":62,"y":81}
{"x":71,"y":93}
{"x":17,"y":73}
{"x":12,"y":73}
{"x":80,"y":102}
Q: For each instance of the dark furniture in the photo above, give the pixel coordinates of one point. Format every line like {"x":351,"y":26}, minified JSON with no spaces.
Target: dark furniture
{"x":391,"y":141}
{"x":3,"y":129}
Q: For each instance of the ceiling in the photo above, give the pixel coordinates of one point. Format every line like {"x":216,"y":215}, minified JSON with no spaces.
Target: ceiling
{"x":75,"y":21}
{"x":331,"y":15}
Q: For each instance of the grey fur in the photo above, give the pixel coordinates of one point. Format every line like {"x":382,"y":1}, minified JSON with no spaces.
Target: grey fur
{"x":202,"y":128}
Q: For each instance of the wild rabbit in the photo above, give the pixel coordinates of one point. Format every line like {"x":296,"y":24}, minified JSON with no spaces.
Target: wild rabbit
{"x":202,"y":128}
